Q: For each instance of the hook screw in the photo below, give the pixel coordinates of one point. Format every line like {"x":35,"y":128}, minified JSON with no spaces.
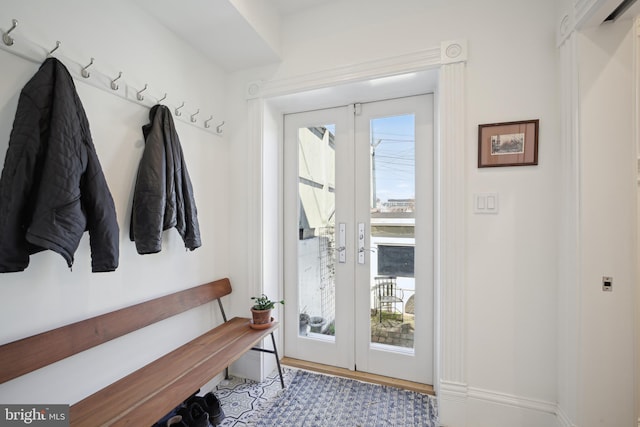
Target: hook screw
{"x":219,"y":128}
{"x":139,"y":95}
{"x":178,"y":112}
{"x":55,"y":48}
{"x":114,"y":85}
{"x":6,"y":38}
{"x":85,"y":72}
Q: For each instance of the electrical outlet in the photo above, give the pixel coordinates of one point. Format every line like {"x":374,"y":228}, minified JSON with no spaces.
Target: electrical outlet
{"x":607,"y":284}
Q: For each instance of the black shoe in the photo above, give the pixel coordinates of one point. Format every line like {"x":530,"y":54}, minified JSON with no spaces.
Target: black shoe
{"x":194,"y":415}
{"x":172,"y":419}
{"x":176,"y":421}
{"x":211,"y":404}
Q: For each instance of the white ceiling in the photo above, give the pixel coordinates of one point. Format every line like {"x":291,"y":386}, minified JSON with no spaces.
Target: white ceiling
{"x":215,"y":28}
{"x":219,"y":30}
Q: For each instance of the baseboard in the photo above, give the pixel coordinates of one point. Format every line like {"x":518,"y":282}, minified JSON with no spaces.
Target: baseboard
{"x":452,"y":404}
{"x":452,"y":390}
{"x":459,"y":403}
{"x":513,"y":400}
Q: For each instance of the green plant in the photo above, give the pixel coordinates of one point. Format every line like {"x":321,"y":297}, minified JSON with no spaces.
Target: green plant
{"x":264,"y":303}
{"x":304,"y":317}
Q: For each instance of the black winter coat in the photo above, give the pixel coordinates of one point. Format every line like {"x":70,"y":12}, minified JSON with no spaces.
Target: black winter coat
{"x":52,"y":186}
{"x":163,"y":196}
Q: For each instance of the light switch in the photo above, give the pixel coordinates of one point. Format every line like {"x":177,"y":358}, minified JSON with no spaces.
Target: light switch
{"x":481,"y":202}
{"x":485,"y":203}
{"x":491,"y":202}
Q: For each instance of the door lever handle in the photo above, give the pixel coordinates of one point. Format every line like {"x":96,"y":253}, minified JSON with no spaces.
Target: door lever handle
{"x":342,"y":243}
{"x":361,"y":249}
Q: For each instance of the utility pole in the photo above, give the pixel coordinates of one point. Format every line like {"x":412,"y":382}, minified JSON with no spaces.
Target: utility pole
{"x":374,"y":145}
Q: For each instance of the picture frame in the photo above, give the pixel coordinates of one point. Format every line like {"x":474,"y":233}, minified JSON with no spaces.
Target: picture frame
{"x":508,"y":144}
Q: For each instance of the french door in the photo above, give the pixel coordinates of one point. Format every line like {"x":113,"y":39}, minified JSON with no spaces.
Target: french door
{"x":358,"y":220}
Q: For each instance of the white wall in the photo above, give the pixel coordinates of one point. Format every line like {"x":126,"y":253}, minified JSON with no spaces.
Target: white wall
{"x":47,"y":294}
{"x":607,"y":226}
{"x":598,"y":331}
{"x":512,"y":257}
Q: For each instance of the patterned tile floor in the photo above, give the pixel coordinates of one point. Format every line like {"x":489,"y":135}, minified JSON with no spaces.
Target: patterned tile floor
{"x":241,"y":397}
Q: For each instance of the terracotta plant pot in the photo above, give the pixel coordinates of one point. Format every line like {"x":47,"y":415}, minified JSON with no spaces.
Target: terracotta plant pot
{"x":260,"y":317}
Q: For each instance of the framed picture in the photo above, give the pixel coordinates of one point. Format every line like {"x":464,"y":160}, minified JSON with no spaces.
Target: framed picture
{"x":508,"y":144}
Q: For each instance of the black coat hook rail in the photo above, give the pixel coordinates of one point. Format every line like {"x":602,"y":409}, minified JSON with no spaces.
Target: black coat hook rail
{"x":35,"y":53}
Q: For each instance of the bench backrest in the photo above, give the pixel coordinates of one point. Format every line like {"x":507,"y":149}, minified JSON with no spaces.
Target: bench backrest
{"x":28,"y":354}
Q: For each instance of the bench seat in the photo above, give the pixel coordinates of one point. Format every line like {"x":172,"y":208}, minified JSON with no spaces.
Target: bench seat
{"x":148,"y":394}
{"x":144,"y":396}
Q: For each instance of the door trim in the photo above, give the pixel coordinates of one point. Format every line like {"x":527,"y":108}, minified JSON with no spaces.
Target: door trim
{"x":449,"y":52}
{"x":450,"y":323}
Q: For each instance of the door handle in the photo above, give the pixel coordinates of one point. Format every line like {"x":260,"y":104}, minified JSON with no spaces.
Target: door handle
{"x":342,"y":243}
{"x":361,"y":243}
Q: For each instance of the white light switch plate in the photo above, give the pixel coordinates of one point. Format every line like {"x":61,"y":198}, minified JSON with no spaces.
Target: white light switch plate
{"x":485,"y":203}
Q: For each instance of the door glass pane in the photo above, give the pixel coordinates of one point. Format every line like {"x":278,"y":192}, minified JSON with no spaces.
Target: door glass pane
{"x":392,"y":218}
{"x":316,"y":225}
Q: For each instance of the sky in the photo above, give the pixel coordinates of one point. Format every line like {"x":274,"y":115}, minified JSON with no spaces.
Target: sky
{"x":394,"y":140}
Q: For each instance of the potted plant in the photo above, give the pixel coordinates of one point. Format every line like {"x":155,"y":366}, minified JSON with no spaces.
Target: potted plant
{"x":305,"y":319}
{"x":261,"y":310}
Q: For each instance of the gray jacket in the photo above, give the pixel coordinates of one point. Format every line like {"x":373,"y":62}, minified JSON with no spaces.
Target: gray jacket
{"x":163,"y":195}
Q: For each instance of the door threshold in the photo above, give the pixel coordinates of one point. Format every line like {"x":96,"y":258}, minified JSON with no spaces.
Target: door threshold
{"x":360,"y":376}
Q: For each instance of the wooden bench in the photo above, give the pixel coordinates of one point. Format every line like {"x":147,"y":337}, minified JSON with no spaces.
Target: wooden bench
{"x":146,"y":395}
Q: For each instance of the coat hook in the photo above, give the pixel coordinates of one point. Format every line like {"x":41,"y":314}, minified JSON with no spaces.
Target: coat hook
{"x":55,"y":48}
{"x":86,"y":73}
{"x":6,"y":38}
{"x":219,"y":128}
{"x":206,"y":122}
{"x":163,"y":98}
{"x":114,"y":85}
{"x":193,"y":116}
{"x":178,"y":112}
{"x":139,"y":94}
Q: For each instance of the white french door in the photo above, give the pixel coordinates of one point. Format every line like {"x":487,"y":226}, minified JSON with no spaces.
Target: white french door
{"x":358,"y":215}
{"x":318,"y":171}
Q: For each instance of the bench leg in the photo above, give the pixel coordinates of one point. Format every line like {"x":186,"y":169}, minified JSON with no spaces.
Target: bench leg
{"x":275,"y":353}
